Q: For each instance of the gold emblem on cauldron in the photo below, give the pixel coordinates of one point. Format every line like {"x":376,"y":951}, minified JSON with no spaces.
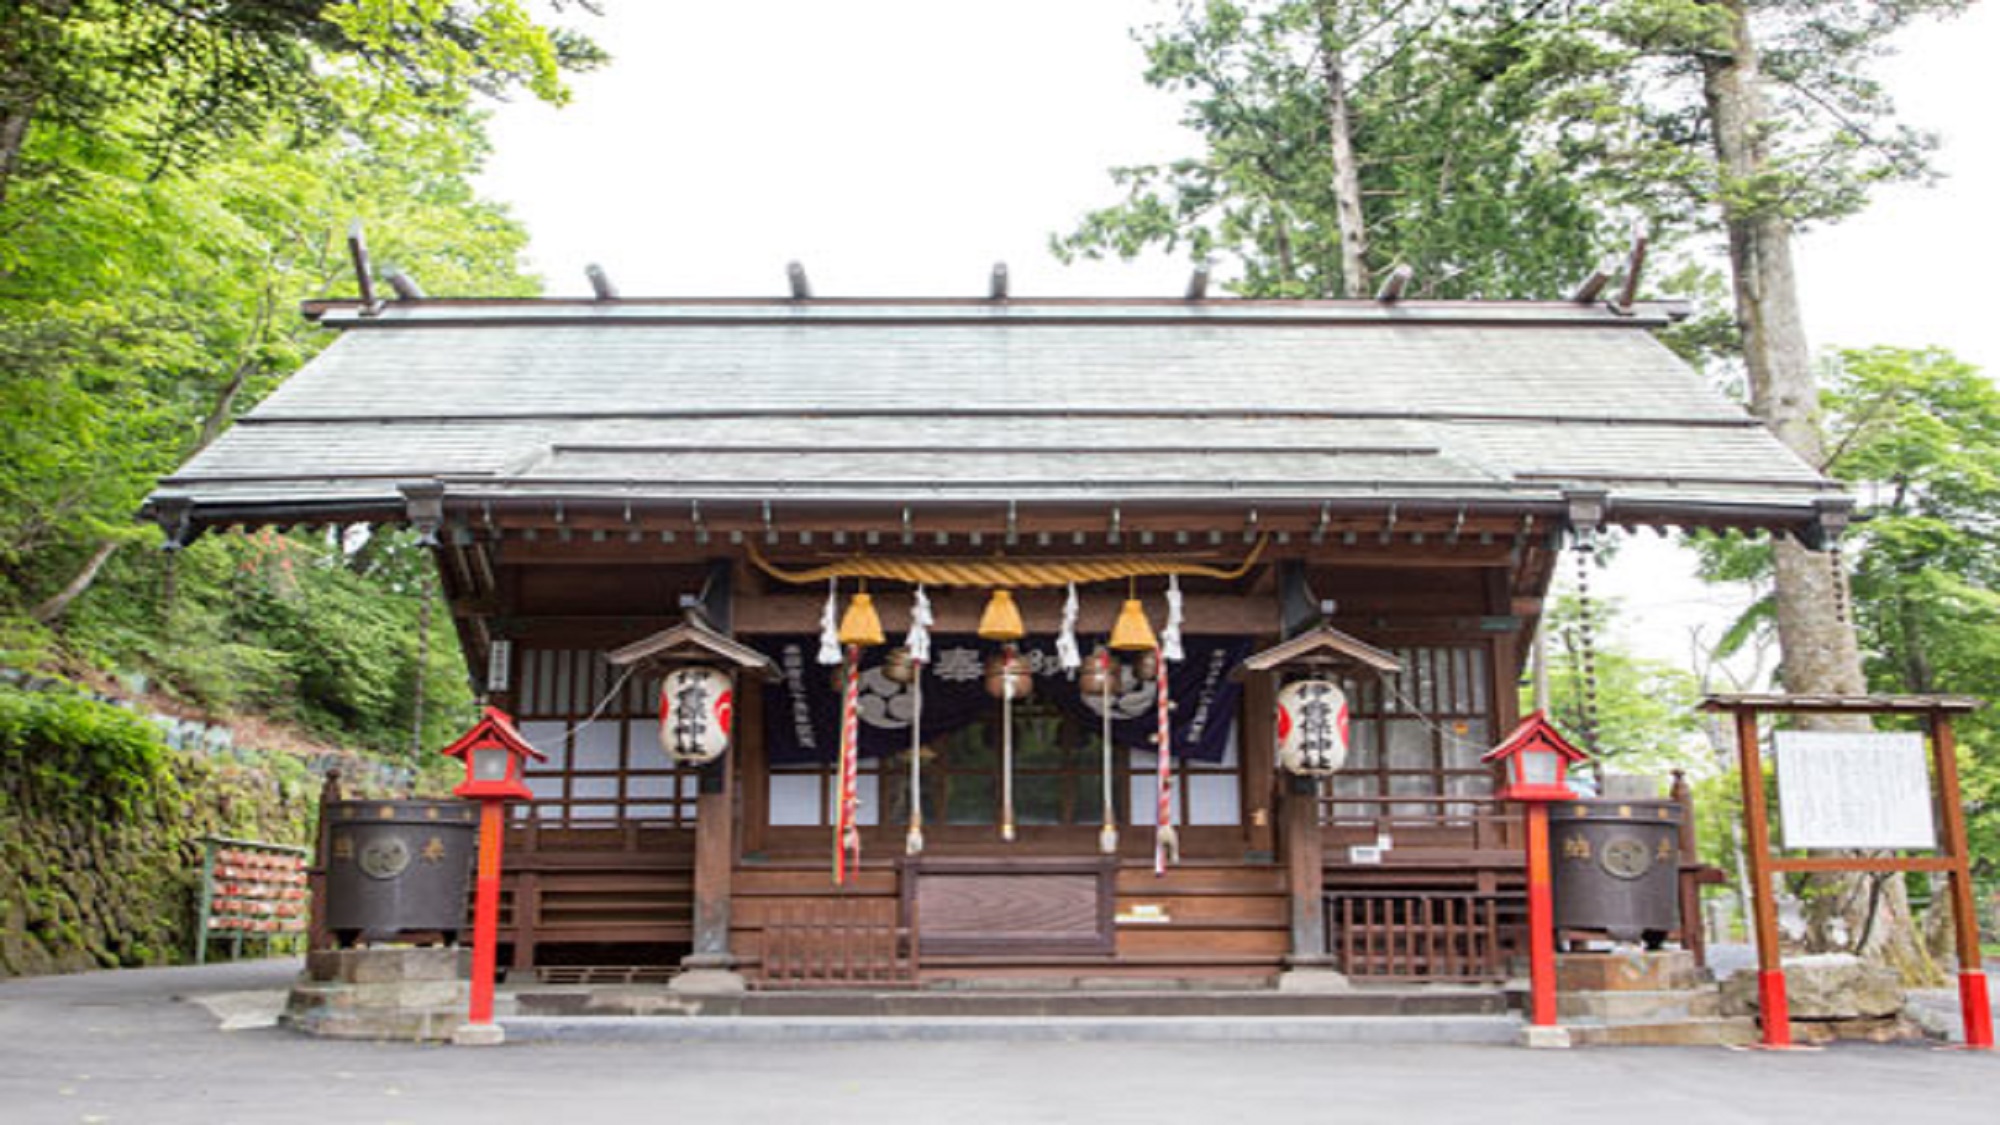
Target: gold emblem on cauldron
{"x":385,"y":858}
{"x":434,"y":850}
{"x":1626,"y":858}
{"x":1666,"y":849}
{"x":1576,"y":847}
{"x":343,"y":846}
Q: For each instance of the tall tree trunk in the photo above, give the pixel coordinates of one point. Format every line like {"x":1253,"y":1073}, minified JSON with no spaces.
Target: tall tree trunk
{"x":1819,"y":651}
{"x":1340,"y":135}
{"x":15,"y":115}
{"x":1346,"y":178}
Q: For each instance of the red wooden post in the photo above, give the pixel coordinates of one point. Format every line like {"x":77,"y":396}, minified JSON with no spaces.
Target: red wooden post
{"x":1536,"y":758}
{"x":1541,"y":919}
{"x":1771,"y":1001}
{"x":493,"y":753}
{"x":1975,"y":1005}
{"x":486,"y":910}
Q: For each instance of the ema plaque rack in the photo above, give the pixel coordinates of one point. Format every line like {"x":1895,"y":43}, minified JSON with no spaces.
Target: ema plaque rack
{"x":250,"y":891}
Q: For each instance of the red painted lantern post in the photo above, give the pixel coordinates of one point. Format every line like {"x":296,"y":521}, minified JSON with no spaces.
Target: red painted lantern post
{"x":493,"y":753}
{"x":1537,"y":758}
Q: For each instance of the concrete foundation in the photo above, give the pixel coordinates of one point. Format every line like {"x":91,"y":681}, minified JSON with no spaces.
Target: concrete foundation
{"x":386,"y":994}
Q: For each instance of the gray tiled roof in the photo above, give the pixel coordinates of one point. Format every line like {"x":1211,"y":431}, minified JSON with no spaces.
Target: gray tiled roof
{"x":1062,"y":401}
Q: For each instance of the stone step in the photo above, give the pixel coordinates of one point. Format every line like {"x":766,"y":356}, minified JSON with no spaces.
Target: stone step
{"x":1406,"y":1003}
{"x":1466,"y":1029}
{"x":1629,"y":971}
{"x":1664,"y":1006}
{"x":1719,"y":1032}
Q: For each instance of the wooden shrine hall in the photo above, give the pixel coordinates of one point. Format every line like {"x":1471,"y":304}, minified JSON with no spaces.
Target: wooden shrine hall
{"x":1368,"y":494}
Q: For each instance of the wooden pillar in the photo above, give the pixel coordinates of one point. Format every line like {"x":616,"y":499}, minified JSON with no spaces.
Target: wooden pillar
{"x":1770,"y":967}
{"x":1694,"y":936}
{"x":1305,"y":869}
{"x":714,"y":863}
{"x":1257,"y":750}
{"x":1974,"y":1002}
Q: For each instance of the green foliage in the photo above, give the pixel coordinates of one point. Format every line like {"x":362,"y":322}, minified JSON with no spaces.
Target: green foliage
{"x":179,"y":83}
{"x":64,"y":749}
{"x":1503,"y":147}
{"x":1457,"y":121}
{"x":1916,"y":435}
{"x":1643,"y":710}
{"x":146,"y":298}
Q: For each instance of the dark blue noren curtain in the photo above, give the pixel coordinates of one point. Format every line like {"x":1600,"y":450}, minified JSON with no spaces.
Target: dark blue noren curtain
{"x":802,"y":710}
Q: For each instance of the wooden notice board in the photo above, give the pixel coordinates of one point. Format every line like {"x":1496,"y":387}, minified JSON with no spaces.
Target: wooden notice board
{"x":1950,"y":853}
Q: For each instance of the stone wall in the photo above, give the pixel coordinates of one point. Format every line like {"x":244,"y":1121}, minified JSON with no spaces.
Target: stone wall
{"x":99,"y":829}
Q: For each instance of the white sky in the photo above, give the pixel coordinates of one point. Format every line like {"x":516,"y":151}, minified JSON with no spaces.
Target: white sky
{"x":901,"y":147}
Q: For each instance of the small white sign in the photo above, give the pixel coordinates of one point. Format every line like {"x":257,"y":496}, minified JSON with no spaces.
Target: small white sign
{"x":499,"y":662}
{"x":1364,"y":855}
{"x":1838,"y":789}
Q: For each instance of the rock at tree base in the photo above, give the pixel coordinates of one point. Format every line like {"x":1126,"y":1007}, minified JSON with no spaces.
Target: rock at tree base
{"x":1832,"y":996}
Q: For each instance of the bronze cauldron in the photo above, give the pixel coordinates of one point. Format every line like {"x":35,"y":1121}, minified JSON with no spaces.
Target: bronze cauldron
{"x":398,"y":867}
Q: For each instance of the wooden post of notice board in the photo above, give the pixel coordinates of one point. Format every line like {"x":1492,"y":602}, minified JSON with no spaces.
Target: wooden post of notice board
{"x":1952,"y":857}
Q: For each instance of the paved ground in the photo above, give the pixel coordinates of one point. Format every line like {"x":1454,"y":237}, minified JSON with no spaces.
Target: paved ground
{"x":130,"y":1047}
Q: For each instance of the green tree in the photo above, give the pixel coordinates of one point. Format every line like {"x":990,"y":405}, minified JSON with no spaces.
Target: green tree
{"x":1343,"y":140}
{"x":1634,"y":714}
{"x":1917,"y":433}
{"x":181,"y":79}
{"x":147,"y":297}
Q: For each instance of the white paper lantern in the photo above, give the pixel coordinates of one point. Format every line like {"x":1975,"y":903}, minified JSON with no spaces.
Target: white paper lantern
{"x":1312,"y":727}
{"x":696,"y":709}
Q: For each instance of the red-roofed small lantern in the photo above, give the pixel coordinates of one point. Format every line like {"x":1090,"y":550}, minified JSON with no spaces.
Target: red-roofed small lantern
{"x":493,"y":753}
{"x":1537,"y":758}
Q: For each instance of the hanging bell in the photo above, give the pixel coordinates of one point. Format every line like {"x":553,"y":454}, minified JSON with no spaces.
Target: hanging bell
{"x":1008,"y":669}
{"x":1132,"y":632}
{"x":897,"y":667}
{"x":861,"y":625}
{"x":1002,"y":619}
{"x":1099,"y":674}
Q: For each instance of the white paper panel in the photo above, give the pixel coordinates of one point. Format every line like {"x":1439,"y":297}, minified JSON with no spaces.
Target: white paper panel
{"x":1854,"y":790}
{"x":1146,"y":796}
{"x":1213,"y":799}
{"x":642,"y":742}
{"x":548,"y":738}
{"x":597,"y":747}
{"x":867,"y":791}
{"x":652,"y":785}
{"x":599,"y":787}
{"x":795,"y":799}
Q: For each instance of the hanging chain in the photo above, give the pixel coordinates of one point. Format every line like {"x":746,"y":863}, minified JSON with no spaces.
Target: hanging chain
{"x":423,"y":666}
{"x":1837,"y":571}
{"x":169,"y":586}
{"x":1586,"y":559}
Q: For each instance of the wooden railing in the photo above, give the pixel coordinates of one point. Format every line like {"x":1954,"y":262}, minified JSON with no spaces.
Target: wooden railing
{"x":1419,"y":935}
{"x":1478,"y":823}
{"x":831,"y":942}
